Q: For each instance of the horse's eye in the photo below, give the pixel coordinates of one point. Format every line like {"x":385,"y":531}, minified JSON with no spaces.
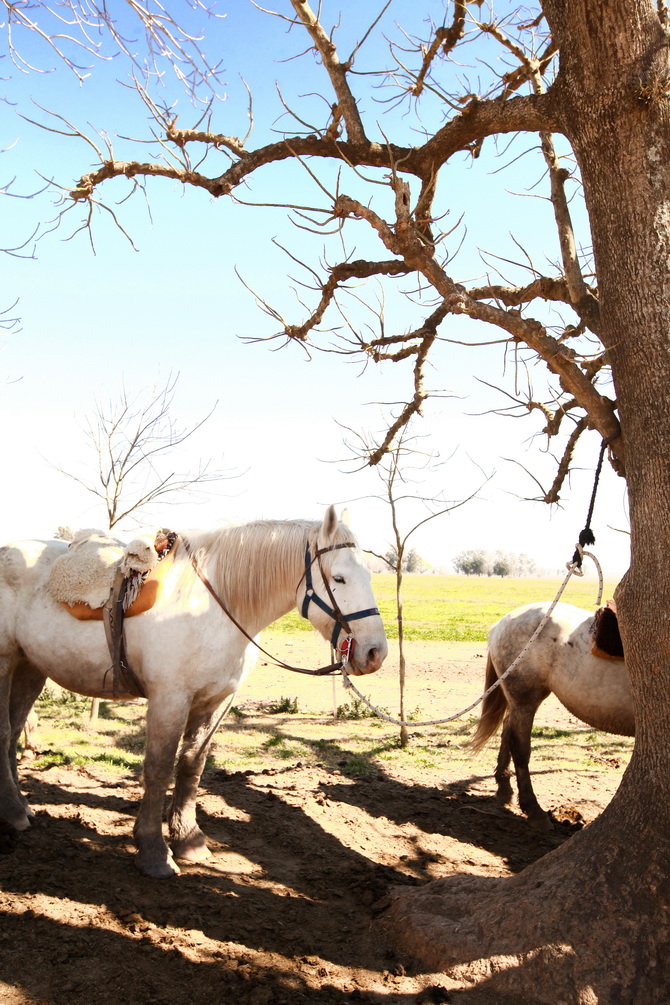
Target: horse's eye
{"x":338,"y":579}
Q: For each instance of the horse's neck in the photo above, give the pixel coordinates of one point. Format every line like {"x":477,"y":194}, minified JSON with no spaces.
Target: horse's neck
{"x":266,"y":605}
{"x":256,"y":576}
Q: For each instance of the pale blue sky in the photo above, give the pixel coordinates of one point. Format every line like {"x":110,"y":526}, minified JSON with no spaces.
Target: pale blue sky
{"x":90,"y":322}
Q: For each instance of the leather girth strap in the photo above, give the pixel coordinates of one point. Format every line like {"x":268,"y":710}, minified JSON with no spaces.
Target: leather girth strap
{"x":124,"y":681}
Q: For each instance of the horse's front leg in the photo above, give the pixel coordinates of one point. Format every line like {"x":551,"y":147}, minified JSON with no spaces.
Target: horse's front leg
{"x":166,"y":719}
{"x":186,"y":839}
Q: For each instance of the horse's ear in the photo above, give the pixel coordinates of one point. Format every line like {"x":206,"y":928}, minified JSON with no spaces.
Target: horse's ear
{"x":344,"y":518}
{"x":328,"y":527}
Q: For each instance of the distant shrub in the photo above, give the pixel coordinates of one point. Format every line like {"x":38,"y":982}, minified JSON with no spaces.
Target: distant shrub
{"x":356,"y":708}
{"x":52,"y":694}
{"x":284,"y":706}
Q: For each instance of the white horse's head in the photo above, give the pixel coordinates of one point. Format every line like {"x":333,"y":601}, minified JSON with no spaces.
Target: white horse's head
{"x":336,"y":595}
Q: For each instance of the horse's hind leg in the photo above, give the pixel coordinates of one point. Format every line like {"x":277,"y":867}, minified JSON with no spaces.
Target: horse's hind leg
{"x":520,"y":725}
{"x":30,"y":738}
{"x":186,"y":839}
{"x":166,"y":719}
{"x":502,"y":772}
{"x":27,"y":683}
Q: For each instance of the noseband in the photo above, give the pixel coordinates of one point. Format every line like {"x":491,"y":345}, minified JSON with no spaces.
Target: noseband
{"x":341,"y":622}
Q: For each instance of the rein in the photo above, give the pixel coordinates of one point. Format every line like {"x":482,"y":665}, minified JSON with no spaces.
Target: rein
{"x":346,"y":647}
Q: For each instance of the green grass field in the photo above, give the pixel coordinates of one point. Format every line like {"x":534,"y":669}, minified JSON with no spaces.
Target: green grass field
{"x":462,"y":608}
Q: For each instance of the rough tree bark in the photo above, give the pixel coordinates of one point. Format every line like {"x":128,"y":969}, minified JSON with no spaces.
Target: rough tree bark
{"x":590,"y":922}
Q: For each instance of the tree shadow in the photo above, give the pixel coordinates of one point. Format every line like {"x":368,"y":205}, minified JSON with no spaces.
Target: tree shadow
{"x":450,"y":810}
{"x":303,"y":901}
{"x":63,"y":964}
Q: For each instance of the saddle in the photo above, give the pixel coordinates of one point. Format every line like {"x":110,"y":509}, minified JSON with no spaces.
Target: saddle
{"x":605,"y":631}
{"x":83,"y":579}
{"x":146,"y":594}
{"x":136,"y":573}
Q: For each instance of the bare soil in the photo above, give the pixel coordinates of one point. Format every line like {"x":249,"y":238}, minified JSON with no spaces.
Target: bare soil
{"x":304,"y":854}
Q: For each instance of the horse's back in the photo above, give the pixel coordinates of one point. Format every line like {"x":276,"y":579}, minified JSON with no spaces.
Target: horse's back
{"x":24,"y":561}
{"x":24,"y":568}
{"x":565,"y":624}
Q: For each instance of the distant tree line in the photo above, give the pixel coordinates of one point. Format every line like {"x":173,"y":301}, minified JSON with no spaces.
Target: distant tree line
{"x":411,"y":560}
{"x":478,"y":562}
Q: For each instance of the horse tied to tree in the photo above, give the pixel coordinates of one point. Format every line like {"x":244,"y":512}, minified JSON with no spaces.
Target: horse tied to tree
{"x":188,"y":652}
{"x":563,"y":660}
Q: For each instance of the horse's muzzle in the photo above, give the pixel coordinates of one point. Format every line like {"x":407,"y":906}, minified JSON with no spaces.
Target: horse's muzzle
{"x":374,"y":657}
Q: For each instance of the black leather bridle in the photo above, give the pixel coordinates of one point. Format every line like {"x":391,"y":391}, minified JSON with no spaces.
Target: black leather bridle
{"x":346,"y":646}
{"x":341,"y":620}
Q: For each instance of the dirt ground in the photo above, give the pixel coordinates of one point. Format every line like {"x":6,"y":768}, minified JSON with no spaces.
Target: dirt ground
{"x":304,"y":855}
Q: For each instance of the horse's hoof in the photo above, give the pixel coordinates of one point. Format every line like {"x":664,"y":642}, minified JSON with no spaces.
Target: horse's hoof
{"x":193,"y":850}
{"x":541,"y":822}
{"x":21,"y":822}
{"x":29,"y":812}
{"x":158,"y":870}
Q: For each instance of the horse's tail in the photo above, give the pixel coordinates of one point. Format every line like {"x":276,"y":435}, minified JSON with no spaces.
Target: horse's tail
{"x":494,"y":707}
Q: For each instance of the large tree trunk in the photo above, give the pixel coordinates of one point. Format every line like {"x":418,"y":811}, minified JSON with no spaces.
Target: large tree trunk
{"x":591,"y":921}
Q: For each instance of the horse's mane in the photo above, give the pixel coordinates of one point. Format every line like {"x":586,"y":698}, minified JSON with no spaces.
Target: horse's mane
{"x":250,"y":564}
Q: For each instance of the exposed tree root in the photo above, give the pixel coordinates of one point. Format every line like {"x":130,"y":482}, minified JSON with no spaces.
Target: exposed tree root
{"x":588,"y":923}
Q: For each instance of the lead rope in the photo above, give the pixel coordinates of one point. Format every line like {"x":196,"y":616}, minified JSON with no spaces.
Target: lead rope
{"x":586,"y":536}
{"x":574,"y":569}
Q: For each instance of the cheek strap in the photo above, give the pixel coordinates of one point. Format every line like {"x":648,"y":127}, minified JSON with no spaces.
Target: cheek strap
{"x":341,"y":621}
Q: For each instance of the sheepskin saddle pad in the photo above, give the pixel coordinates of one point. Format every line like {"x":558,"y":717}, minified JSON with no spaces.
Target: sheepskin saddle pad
{"x":82,"y":579}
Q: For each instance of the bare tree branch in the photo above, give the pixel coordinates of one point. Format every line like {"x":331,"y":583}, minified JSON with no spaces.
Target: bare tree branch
{"x":403,"y":241}
{"x":88,"y":29}
{"x":411,"y":234}
{"x":130,"y":438}
{"x":444,"y":40}
{"x":552,"y":496}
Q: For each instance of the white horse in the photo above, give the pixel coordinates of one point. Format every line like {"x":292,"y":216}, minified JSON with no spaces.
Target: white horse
{"x":593,"y":689}
{"x":186,"y":653}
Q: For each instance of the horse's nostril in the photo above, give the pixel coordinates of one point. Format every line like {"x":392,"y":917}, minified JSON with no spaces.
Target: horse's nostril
{"x":373,"y":654}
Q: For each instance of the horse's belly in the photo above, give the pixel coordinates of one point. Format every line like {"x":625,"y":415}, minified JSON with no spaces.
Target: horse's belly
{"x":600,"y":696}
{"x":72,"y":653}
